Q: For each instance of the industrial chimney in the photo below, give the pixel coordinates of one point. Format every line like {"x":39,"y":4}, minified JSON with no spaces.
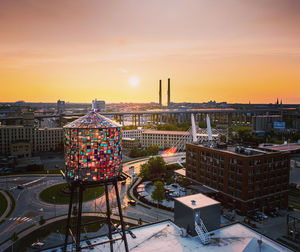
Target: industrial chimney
{"x":160,"y":101}
{"x":169,"y":90}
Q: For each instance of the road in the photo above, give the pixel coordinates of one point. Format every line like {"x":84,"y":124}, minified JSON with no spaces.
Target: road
{"x":29,"y":207}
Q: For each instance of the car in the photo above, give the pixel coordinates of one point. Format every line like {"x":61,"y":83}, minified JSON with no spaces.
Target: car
{"x":20,"y":187}
{"x":132,"y":202}
{"x":174,"y":185}
{"x":37,"y":245}
{"x":262,"y":216}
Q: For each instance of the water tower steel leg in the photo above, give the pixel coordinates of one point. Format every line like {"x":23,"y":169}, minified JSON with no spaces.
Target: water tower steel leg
{"x":78,"y":228}
{"x":69,"y":218}
{"x":121,"y":216}
{"x":108,"y":218}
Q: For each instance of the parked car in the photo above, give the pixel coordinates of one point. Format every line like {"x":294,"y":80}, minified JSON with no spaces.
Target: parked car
{"x":132,"y":202}
{"x":37,"y":245}
{"x":20,"y":187}
{"x":262,"y":216}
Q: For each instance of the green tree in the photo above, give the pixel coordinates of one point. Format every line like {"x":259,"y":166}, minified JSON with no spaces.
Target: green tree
{"x":42,"y":221}
{"x":152,"y":150}
{"x":155,"y":167}
{"x":133,"y":153}
{"x":14,"y":237}
{"x":158,"y":194}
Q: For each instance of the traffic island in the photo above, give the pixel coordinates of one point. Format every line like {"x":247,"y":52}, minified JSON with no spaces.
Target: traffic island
{"x":60,"y":194}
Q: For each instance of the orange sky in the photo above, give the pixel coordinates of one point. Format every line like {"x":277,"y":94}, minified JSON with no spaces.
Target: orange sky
{"x":234,"y":51}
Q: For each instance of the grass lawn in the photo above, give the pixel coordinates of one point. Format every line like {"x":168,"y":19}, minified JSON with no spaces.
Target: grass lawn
{"x":88,"y":194}
{"x":3,"y":204}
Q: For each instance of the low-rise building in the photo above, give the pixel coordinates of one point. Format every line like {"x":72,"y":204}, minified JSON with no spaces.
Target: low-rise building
{"x":169,"y":139}
{"x":14,"y":139}
{"x":130,"y":143}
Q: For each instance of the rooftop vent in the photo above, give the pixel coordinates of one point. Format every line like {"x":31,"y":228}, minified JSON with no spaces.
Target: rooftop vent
{"x":193,"y":202}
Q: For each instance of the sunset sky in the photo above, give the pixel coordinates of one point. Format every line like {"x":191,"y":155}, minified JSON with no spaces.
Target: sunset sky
{"x":229,"y":50}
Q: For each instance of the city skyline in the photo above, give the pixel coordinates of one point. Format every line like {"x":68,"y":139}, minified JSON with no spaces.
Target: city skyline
{"x":118,"y":51}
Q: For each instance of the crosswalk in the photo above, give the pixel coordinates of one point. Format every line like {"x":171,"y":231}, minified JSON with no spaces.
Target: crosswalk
{"x":20,"y":219}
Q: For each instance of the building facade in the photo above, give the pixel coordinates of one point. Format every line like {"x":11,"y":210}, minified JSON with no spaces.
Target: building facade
{"x":130,"y":143}
{"x":60,"y":107}
{"x":169,"y":139}
{"x":263,"y":123}
{"x":164,"y":139}
{"x":40,"y":139}
{"x":137,"y":134}
{"x":244,"y":179}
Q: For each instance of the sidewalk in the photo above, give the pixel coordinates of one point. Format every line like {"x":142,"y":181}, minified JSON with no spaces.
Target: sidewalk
{"x":8,"y":205}
{"x":49,"y":221}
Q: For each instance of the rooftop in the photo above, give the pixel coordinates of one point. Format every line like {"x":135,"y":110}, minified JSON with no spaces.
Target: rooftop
{"x":239,"y":150}
{"x":170,"y":132}
{"x":281,"y":147}
{"x":92,"y":120}
{"x":166,"y":236}
{"x":196,"y":201}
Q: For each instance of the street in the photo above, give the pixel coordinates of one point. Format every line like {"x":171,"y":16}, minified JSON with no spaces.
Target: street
{"x":29,"y":207}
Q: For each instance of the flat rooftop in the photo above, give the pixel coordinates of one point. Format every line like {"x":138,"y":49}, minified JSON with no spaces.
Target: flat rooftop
{"x":166,"y":236}
{"x":282,"y":147}
{"x":170,"y":132}
{"x":200,"y":201}
{"x":238,"y":150}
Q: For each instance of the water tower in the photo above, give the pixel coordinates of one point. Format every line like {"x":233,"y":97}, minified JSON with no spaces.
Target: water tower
{"x":93,"y":157}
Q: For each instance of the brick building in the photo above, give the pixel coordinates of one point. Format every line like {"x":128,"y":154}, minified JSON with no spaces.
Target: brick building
{"x":245,"y":179}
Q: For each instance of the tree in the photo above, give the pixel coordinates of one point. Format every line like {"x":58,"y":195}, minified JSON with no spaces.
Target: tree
{"x":14,"y":237}
{"x":42,"y":221}
{"x":155,"y":167}
{"x":140,"y":221}
{"x":158,"y":194}
{"x":152,"y":150}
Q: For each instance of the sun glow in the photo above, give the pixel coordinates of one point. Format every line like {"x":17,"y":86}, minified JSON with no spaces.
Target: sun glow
{"x":134,"y":81}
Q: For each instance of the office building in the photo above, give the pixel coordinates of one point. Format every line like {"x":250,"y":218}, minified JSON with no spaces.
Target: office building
{"x":98,"y":105}
{"x":60,"y":107}
{"x":15,"y":138}
{"x":264,"y":123}
{"x":169,"y":139}
{"x":244,"y":179}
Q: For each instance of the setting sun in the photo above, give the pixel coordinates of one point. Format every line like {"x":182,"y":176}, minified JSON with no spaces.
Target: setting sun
{"x":134,"y":81}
